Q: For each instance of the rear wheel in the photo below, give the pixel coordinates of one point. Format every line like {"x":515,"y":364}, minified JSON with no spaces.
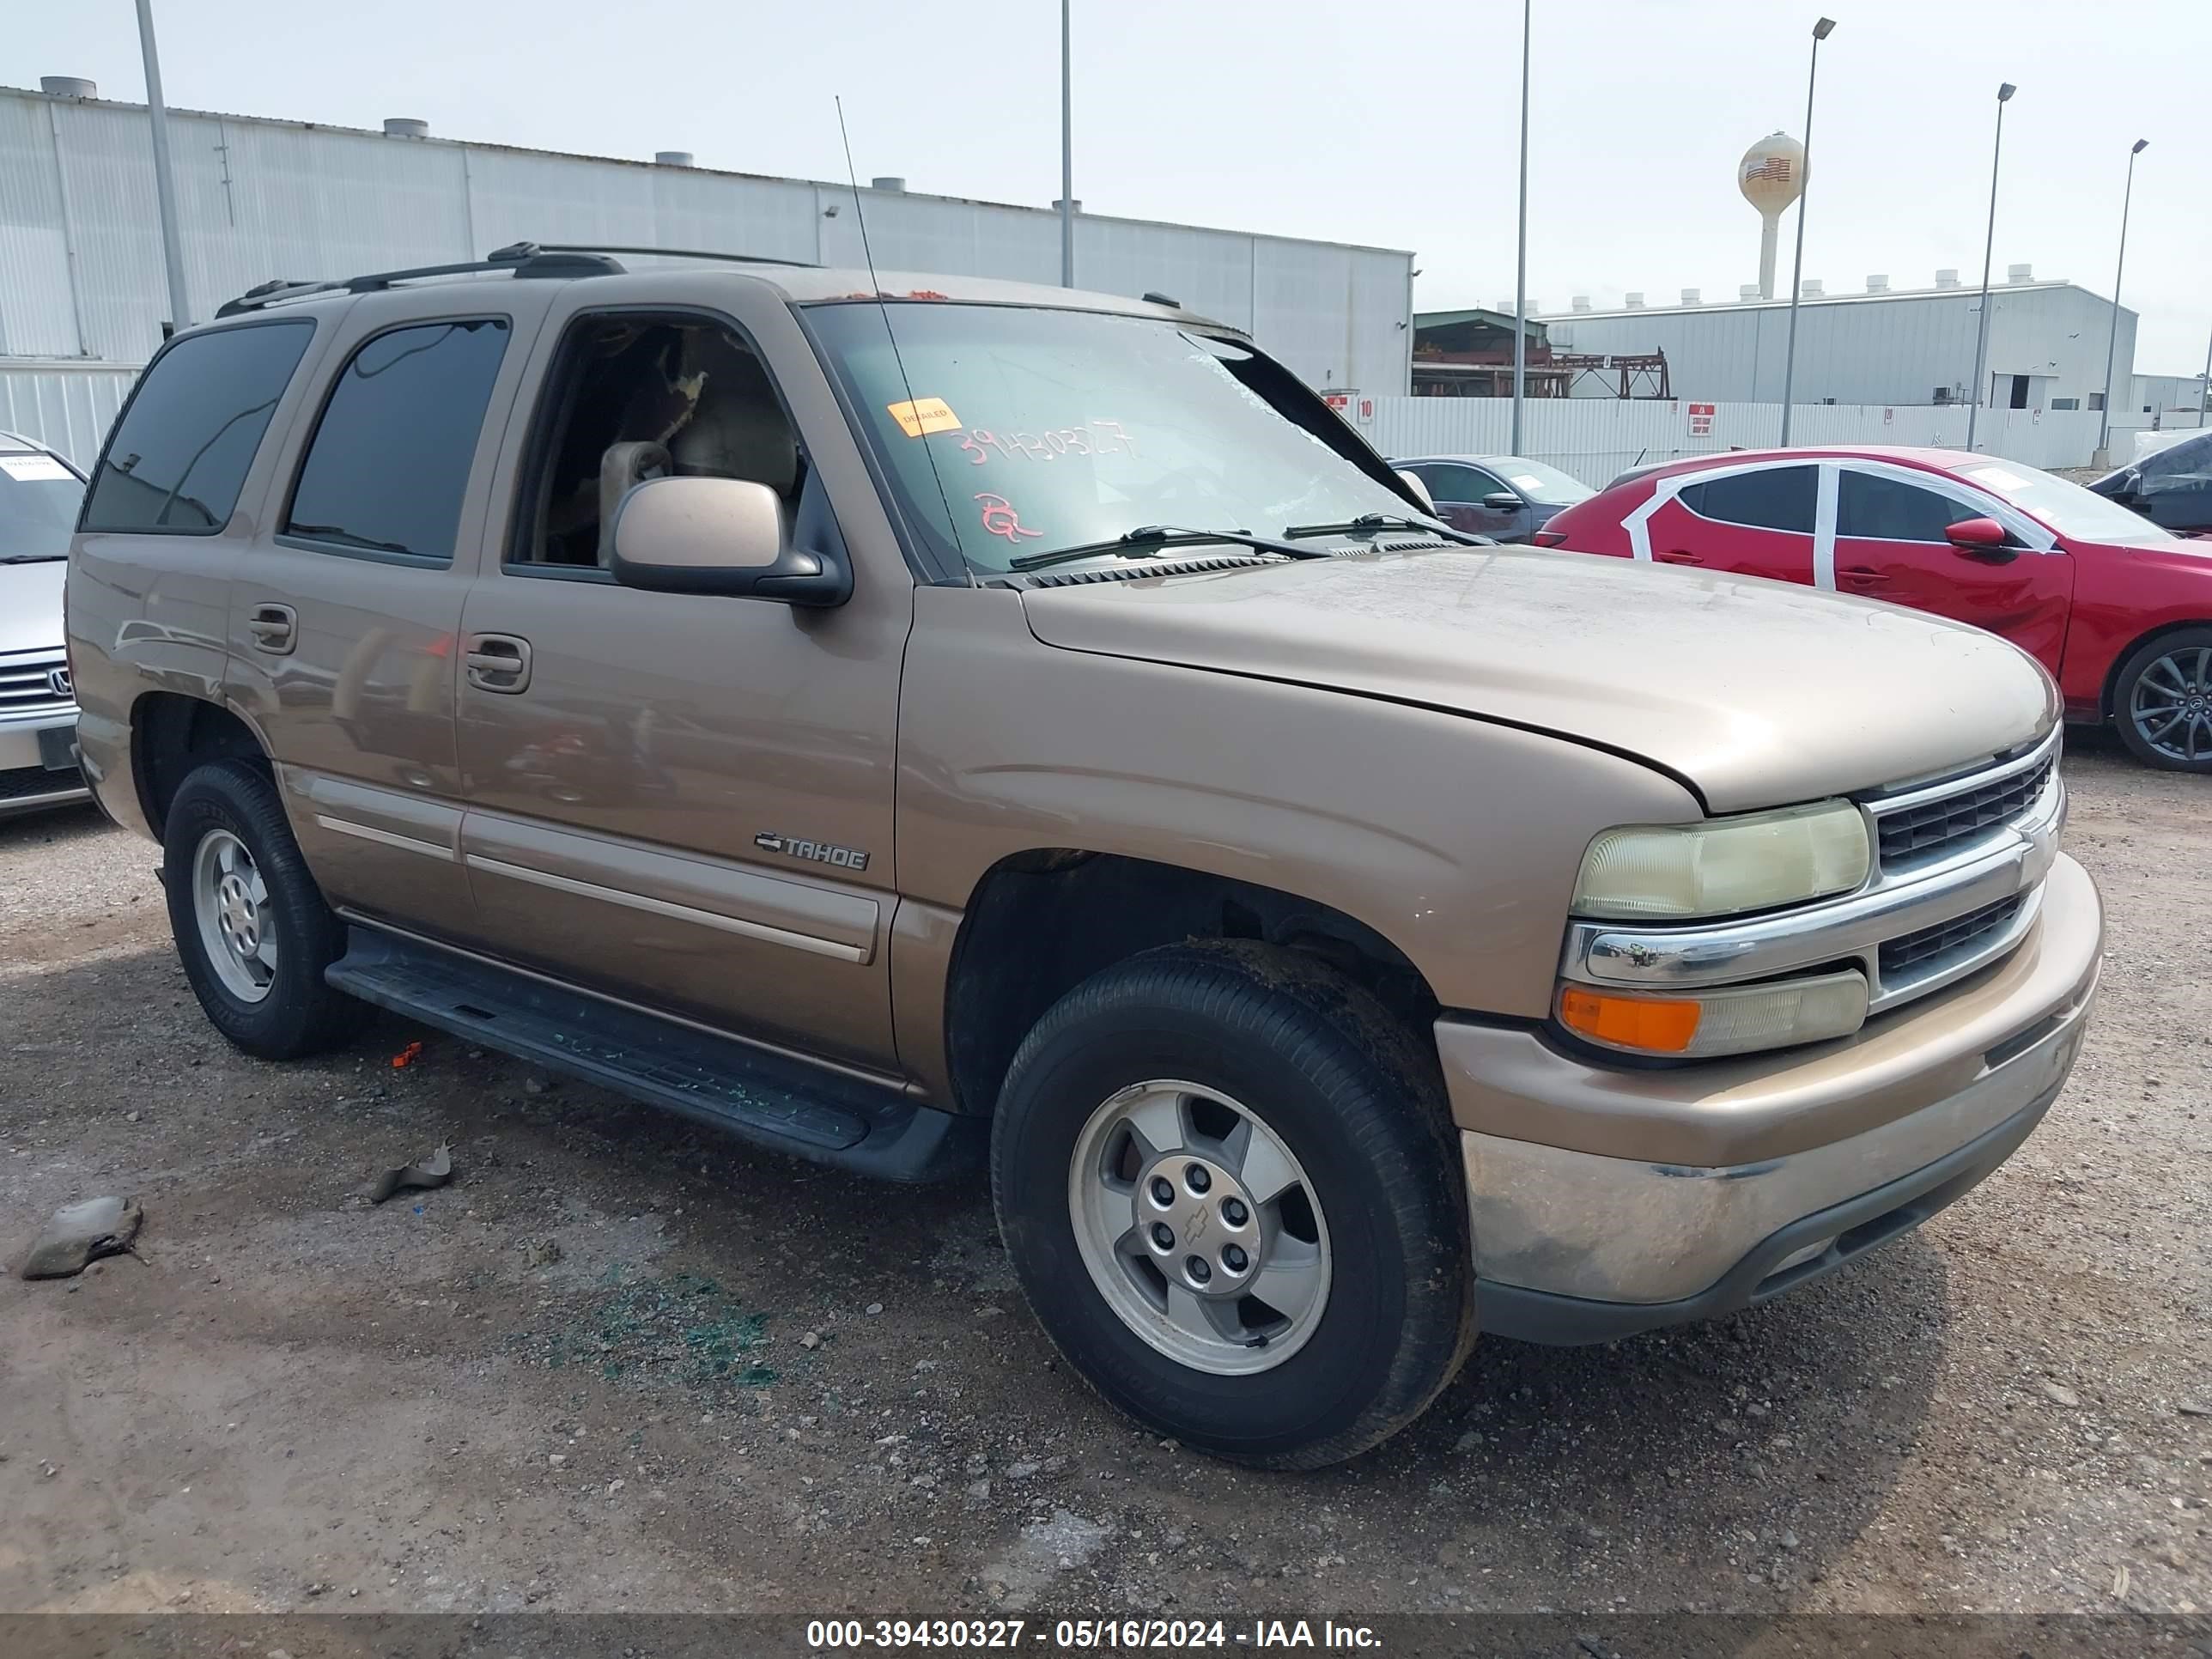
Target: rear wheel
{"x":1227,"y":1181}
{"x":252,"y":929}
{"x":2163,"y":701}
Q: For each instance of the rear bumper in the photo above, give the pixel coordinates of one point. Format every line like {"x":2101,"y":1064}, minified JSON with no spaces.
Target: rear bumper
{"x":1661,"y":1196}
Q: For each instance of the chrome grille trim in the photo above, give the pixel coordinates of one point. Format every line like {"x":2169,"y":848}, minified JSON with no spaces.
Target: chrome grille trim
{"x":24,"y":687}
{"x":1963,"y":812}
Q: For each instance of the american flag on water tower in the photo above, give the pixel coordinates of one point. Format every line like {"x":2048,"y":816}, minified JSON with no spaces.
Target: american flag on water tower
{"x":1776,"y":168}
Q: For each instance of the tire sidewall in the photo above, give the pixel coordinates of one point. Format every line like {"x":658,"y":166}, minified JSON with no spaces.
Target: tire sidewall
{"x":2124,"y":698}
{"x":1322,"y":1102}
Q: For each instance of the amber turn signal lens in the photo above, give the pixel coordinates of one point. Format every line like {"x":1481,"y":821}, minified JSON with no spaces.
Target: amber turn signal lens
{"x":1656,"y":1027}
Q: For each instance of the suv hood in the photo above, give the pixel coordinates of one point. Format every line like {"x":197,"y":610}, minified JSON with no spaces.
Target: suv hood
{"x":31,"y":606}
{"x":1756,"y":693}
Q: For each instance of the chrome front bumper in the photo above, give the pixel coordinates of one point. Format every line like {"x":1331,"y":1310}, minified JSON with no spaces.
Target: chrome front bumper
{"x":1605,"y":1202}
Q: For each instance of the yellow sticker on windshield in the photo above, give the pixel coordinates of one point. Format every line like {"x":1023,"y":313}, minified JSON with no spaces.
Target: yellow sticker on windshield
{"x":924,"y":416}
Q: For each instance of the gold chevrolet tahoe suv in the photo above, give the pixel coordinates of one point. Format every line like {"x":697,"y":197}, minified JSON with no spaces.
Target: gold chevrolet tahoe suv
{"x":906,"y":720}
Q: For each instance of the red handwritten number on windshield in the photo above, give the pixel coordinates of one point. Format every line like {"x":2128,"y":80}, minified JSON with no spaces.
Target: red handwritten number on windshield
{"x":1000,"y":518}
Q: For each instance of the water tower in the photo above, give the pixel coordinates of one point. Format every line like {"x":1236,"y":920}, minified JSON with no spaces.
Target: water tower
{"x":1771,"y":175}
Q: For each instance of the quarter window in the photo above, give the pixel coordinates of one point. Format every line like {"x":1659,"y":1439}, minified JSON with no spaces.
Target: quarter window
{"x":1877,"y":508}
{"x":180,"y":454}
{"x":390,"y":459}
{"x":1774,"y":498}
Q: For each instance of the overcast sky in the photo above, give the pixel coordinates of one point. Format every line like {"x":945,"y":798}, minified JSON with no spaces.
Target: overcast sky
{"x":1390,"y":121}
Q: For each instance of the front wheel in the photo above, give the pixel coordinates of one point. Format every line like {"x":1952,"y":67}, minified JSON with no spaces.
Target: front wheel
{"x":2163,"y":701}
{"x":1228,"y":1183}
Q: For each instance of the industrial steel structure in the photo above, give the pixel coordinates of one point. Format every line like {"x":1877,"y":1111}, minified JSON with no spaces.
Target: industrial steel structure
{"x":1885,"y":346}
{"x":81,"y":266}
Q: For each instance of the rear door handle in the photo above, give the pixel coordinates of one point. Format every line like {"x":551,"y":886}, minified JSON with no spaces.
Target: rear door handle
{"x":498,"y":662}
{"x":275,"y":628}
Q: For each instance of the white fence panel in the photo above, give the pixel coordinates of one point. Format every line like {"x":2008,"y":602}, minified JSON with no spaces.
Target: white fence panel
{"x":1595,"y":440}
{"x":67,"y":406}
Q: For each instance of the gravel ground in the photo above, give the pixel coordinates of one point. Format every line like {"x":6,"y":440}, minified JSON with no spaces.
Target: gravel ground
{"x":621,"y":1363}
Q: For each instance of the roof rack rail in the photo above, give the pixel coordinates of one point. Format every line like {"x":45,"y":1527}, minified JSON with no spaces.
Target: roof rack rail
{"x":520,"y":259}
{"x":677,"y":253}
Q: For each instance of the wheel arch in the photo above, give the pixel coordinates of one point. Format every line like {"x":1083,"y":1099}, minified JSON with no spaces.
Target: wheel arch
{"x":2108,"y":698}
{"x":1040,"y":922}
{"x":171,"y":733}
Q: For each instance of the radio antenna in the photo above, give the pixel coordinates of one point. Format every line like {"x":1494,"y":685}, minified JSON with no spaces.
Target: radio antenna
{"x":876,"y":287}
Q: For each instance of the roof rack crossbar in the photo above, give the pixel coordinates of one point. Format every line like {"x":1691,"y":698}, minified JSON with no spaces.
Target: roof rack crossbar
{"x":678,"y":254}
{"x":519,"y":259}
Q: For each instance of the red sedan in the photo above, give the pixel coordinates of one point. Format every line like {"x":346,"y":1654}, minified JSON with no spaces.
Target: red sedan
{"x":2118,"y":610}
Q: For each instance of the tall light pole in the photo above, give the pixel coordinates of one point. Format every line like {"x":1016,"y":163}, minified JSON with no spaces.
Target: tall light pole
{"x":165,"y":183}
{"x":2113,"y":339}
{"x":1989,"y":249}
{"x":1821,"y":30}
{"x":1066,"y":157}
{"x":1521,"y":254}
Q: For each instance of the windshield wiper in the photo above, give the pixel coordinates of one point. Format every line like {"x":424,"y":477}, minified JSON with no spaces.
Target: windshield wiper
{"x":1149,"y":541}
{"x":1386,"y":521}
{"x":33,"y":558}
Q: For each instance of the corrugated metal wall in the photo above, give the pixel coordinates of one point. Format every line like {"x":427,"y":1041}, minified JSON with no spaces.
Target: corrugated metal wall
{"x":67,"y":406}
{"x":1595,"y":441}
{"x":81,"y":259}
{"x":1857,"y":350}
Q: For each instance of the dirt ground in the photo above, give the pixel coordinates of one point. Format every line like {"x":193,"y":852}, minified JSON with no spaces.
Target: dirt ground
{"x":621,"y":1364}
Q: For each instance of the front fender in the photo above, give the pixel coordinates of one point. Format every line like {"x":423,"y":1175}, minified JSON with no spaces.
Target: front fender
{"x":1456,"y":840}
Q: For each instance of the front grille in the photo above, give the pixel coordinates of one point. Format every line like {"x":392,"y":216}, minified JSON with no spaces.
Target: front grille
{"x":26,"y":687}
{"x":21,"y":783}
{"x":1960,"y":934}
{"x":1920,"y":833}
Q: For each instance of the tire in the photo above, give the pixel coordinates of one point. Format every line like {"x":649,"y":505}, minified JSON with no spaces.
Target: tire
{"x":1254,"y":1039}
{"x":2170,"y":675}
{"x":233,"y":873}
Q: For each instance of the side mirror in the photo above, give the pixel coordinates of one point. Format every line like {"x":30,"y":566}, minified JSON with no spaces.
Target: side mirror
{"x":1980,"y":538}
{"x":1413,"y":482}
{"x":1502,"y":500}
{"x":724,"y":535}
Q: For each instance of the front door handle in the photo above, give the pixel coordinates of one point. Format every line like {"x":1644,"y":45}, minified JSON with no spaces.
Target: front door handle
{"x":1860,"y":580}
{"x":498,"y":662}
{"x":275,"y":628}
{"x":1681,"y":555}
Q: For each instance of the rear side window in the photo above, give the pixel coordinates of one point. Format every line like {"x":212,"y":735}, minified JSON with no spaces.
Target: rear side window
{"x":1776,"y":498}
{"x":180,"y":454}
{"x":1883,"y":509}
{"x":391,"y":457}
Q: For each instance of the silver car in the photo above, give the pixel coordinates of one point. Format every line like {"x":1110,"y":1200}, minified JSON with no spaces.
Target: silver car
{"x":39,"y":494}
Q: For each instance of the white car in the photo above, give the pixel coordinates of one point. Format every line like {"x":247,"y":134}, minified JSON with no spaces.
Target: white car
{"x":39,"y":494}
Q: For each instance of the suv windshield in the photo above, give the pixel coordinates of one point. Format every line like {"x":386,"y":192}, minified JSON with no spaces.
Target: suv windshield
{"x":39,"y":500}
{"x":1052,"y":429}
{"x":2067,"y":508}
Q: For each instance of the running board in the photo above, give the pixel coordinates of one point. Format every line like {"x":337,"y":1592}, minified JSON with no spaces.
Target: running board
{"x":785,"y":1105}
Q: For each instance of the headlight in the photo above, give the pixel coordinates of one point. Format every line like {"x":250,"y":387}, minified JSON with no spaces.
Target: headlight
{"x":1668,"y":873}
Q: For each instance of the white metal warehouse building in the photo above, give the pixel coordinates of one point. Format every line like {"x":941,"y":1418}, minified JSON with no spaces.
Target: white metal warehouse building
{"x":1885,"y":346}
{"x":82,"y":278}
